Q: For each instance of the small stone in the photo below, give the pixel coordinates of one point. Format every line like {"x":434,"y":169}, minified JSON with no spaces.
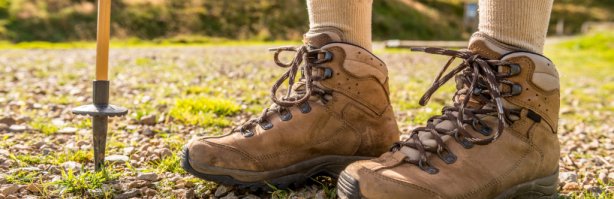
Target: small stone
{"x":70,"y":165}
{"x":128,"y":150}
{"x":611,"y":177}
{"x":603,"y":176}
{"x":222,"y":190}
{"x":9,"y":189}
{"x":17,"y":128}
{"x":117,"y":159}
{"x":148,"y":192}
{"x":189,"y":194}
{"x":321,"y":195}
{"x":4,"y":127}
{"x":568,"y":177}
{"x":148,"y":120}
{"x":38,"y":145}
{"x":128,"y":194}
{"x":96,"y":193}
{"x":148,"y":132}
{"x":230,"y":195}
{"x":250,"y":196}
{"x":11,"y":197}
{"x":54,"y":169}
{"x":164,"y":152}
{"x":34,"y":188}
{"x":82,"y":142}
{"x":147,"y":176}
{"x":571,"y":186}
{"x":21,"y":147}
{"x":68,"y":130}
{"x":23,"y":119}
{"x":8,"y":121}
{"x":138,"y":184}
{"x":595,"y":189}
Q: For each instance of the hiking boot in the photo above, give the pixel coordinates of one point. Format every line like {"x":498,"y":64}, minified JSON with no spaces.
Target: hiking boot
{"x":504,"y":145}
{"x":336,"y":113}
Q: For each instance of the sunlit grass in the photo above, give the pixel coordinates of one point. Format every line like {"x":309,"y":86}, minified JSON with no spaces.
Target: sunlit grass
{"x":204,"y":111}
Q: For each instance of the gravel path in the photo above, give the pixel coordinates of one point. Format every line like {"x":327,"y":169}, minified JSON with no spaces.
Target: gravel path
{"x":46,"y":151}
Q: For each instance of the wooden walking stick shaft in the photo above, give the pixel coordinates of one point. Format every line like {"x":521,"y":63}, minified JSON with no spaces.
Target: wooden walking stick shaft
{"x":102,"y":46}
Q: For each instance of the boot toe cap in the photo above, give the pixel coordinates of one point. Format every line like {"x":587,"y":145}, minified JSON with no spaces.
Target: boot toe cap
{"x":204,"y":155}
{"x":365,"y":179}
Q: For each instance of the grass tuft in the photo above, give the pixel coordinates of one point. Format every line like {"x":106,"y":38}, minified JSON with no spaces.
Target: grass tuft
{"x":204,"y":111}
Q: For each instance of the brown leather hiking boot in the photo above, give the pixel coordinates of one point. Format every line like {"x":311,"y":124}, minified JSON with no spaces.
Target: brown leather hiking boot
{"x":503,"y":146}
{"x":337,"y":112}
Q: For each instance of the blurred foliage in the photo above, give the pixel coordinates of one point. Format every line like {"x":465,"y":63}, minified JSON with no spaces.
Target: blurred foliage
{"x":266,"y":20}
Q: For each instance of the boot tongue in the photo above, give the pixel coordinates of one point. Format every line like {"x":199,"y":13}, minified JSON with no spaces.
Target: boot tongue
{"x":317,"y":40}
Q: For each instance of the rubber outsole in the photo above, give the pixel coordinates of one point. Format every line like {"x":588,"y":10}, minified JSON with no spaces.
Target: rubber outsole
{"x":542,"y":188}
{"x":291,"y":179}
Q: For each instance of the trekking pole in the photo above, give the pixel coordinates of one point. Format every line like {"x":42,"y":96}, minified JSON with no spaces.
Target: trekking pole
{"x":101,"y":110}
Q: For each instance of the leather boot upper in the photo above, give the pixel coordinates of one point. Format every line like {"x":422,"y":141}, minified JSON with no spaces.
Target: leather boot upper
{"x":466,"y":158}
{"x":346,"y":112}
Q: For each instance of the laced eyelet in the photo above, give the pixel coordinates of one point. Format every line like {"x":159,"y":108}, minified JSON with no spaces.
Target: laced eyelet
{"x":305,"y":108}
{"x":285,"y":115}
{"x":328,"y":73}
{"x":266,"y":125}
{"x":515,"y":89}
{"x":447,"y":156}
{"x":427,"y":167}
{"x":514,"y":69}
{"x":319,"y":56}
{"x":481,"y":128}
{"x":247,"y":133}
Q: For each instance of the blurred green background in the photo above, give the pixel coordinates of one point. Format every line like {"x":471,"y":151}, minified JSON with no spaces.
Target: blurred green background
{"x":262,"y":20}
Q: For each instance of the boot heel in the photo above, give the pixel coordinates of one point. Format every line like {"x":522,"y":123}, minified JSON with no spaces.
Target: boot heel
{"x":542,"y":188}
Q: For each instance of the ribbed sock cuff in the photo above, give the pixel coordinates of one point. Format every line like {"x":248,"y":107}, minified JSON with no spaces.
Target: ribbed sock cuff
{"x":351,"y":17}
{"x":520,"y":23}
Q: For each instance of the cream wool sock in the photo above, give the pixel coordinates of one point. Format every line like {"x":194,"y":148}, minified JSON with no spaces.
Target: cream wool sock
{"x":520,"y":23}
{"x":349,"y":18}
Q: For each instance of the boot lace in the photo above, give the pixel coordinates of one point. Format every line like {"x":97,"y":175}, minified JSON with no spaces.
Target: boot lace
{"x":307,"y":59}
{"x":479,"y":93}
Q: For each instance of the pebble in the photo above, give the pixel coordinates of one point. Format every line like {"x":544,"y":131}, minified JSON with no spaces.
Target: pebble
{"x":148,"y":120}
{"x":603,"y":176}
{"x":23,"y":119}
{"x":4,"y":127}
{"x":222,"y":190}
{"x":231,"y":195}
{"x":138,"y":184}
{"x":128,"y":150}
{"x":70,"y":165}
{"x":148,"y":192}
{"x":568,"y":177}
{"x":9,"y":189}
{"x":148,"y":132}
{"x":68,"y":130}
{"x":8,"y":121}
{"x":17,"y":128}
{"x":250,"y":196}
{"x":147,"y":176}
{"x":321,"y":195}
{"x":571,"y":186}
{"x":117,"y":159}
{"x":34,"y":188}
{"x":128,"y":194}
{"x":164,"y":152}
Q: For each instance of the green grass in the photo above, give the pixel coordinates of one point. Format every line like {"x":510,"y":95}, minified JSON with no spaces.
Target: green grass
{"x":81,"y":183}
{"x":44,"y":126}
{"x":204,"y":111}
